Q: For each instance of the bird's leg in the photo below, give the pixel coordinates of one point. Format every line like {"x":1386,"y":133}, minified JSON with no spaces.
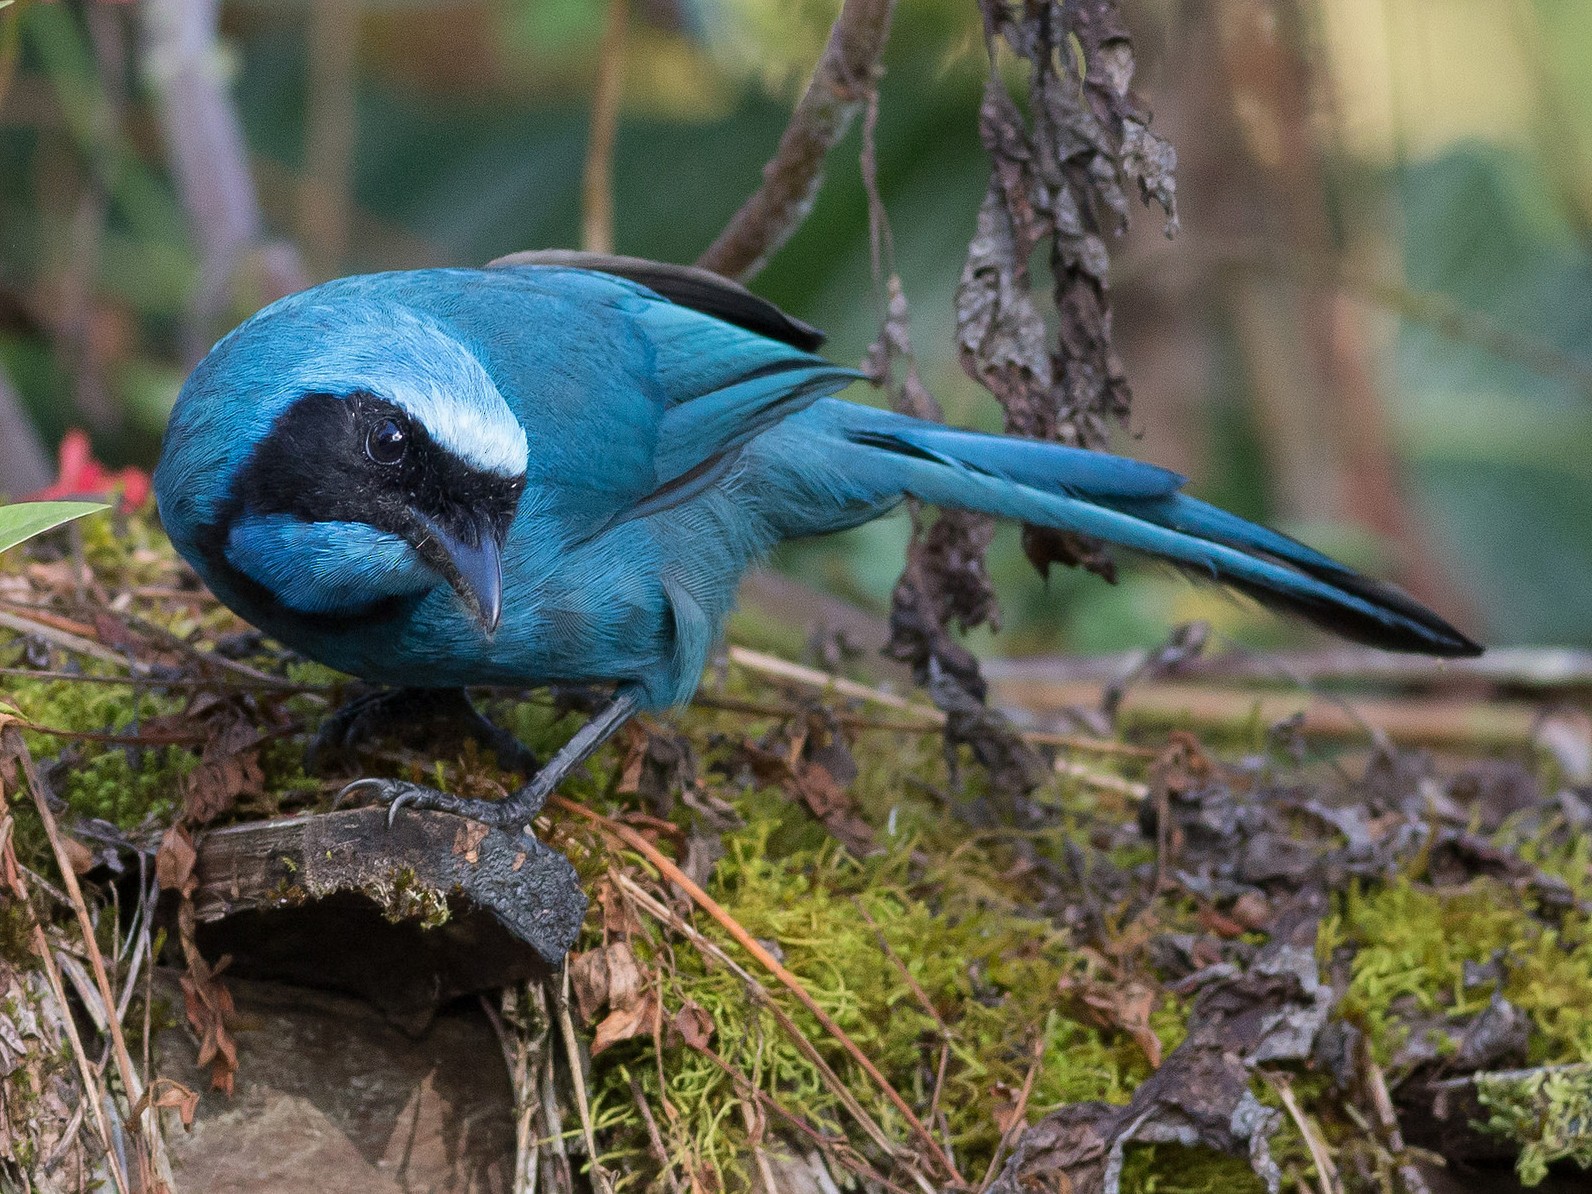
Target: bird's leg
{"x":440,"y":714}
{"x":520,"y":807}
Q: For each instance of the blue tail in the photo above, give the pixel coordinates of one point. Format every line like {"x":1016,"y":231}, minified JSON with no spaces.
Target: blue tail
{"x":1132,"y":505}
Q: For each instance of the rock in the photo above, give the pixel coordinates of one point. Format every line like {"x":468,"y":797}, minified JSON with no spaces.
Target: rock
{"x":329,"y":1097}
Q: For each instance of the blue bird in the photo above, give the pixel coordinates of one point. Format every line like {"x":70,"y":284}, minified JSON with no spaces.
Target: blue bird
{"x":557,"y":469}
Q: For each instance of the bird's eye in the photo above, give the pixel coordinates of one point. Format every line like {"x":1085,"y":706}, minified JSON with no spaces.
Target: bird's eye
{"x":386,"y":442}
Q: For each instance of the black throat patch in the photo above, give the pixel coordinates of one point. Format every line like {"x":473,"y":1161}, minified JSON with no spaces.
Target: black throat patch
{"x":313,"y":466}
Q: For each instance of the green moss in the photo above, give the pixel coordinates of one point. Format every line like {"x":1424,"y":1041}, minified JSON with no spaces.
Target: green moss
{"x":1412,"y":942}
{"x":1173,"y":1169}
{"x":1548,"y":1114}
{"x":989,"y":972}
{"x":404,"y":897}
{"x":16,"y":935}
{"x":123,"y":787}
{"x":126,"y":793}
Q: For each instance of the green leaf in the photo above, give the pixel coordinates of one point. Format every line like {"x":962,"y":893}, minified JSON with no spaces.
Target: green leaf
{"x":21,"y":522}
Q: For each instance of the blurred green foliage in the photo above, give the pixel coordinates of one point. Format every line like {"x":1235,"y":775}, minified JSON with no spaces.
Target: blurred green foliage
{"x":470,"y":135}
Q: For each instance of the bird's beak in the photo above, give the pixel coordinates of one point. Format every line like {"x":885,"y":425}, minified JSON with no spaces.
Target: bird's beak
{"x":476,"y":574}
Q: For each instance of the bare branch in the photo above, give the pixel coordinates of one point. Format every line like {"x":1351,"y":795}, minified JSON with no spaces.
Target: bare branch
{"x":24,"y":465}
{"x":209,"y":158}
{"x":597,"y":184}
{"x":325,"y":196}
{"x":837,"y":90}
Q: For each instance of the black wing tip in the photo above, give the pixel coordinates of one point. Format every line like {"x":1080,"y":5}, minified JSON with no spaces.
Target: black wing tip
{"x":688,"y":285}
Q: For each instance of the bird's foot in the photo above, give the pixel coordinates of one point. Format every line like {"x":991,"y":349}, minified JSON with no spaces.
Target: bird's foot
{"x":432,"y":714}
{"x":520,"y":808}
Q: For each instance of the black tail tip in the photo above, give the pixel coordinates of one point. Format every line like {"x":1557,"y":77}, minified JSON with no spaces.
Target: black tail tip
{"x":1382,"y":616}
{"x":1454,"y":646}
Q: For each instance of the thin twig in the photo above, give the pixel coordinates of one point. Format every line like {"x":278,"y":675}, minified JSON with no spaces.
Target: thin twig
{"x":209,"y":158}
{"x":72,"y":635}
{"x":776,"y":668}
{"x":767,"y":960}
{"x":132,"y":1086}
{"x":577,"y":1077}
{"x":1516,"y":667}
{"x":654,"y":1136}
{"x":331,"y":123}
{"x":839,"y":85}
{"x":918,"y":992}
{"x":175,"y":738}
{"x":1387,"y":1121}
{"x":67,"y":641}
{"x":752,"y":1116}
{"x":1577,"y":1068}
{"x":926,"y":1003}
{"x":852,"y":721}
{"x":52,"y":974}
{"x":597,"y":181}
{"x":1103,"y":781}
{"x":760,"y":995}
{"x":1326,"y":1171}
{"x":522,"y":1055}
{"x":1019,"y":1118}
{"x":1437,"y":722}
{"x":286,"y":687}
{"x":829,"y":1147}
{"x":933,"y":720}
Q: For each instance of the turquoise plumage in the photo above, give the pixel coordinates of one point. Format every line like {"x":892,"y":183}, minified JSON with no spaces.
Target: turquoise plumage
{"x":542,"y":472}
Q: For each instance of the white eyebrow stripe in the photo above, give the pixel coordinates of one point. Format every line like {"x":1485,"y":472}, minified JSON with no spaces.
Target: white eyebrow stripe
{"x":487,"y":440}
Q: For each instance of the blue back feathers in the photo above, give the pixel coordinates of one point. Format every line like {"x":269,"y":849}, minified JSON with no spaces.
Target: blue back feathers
{"x":663,"y":448}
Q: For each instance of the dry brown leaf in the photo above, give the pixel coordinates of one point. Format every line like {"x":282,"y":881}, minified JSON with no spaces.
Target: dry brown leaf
{"x":588,"y":978}
{"x":1007,"y":1106}
{"x":169,"y":1094}
{"x":206,"y":1000}
{"x":208,"y":1005}
{"x":619,"y":918}
{"x":1252,"y":910}
{"x":174,"y":861}
{"x":1125,"y":1007}
{"x":117,"y":635}
{"x":626,"y":1021}
{"x":608,"y":976}
{"x":812,"y":783}
{"x":1216,"y":922}
{"x":77,"y":854}
{"x":693,"y":1024}
{"x":467,"y":841}
{"x":635,"y":741}
{"x":224,"y":773}
{"x":614,"y":978}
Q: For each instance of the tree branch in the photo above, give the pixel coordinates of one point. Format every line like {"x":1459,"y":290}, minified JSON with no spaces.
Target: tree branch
{"x":24,"y":464}
{"x":209,"y":158}
{"x":597,"y":183}
{"x":331,"y":127}
{"x":837,"y":90}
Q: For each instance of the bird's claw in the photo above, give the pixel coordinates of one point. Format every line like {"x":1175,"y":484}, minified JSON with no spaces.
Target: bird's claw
{"x":394,"y":793}
{"x":397,"y":794}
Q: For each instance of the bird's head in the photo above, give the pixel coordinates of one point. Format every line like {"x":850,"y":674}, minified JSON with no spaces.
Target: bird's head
{"x":366,"y":455}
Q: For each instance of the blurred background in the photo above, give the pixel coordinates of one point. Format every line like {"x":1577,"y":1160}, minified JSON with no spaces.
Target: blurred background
{"x":1374,"y":330}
